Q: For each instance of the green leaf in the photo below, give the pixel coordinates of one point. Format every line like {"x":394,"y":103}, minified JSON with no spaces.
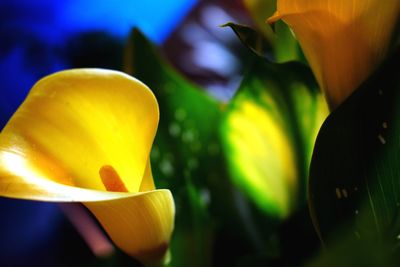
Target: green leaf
{"x":281,"y":48}
{"x":252,"y":39}
{"x":188,"y":118}
{"x":286,"y":47}
{"x":349,"y":253}
{"x":186,"y":153}
{"x":276,"y":43}
{"x":260,"y":10}
{"x":354,"y":177}
{"x":187,"y":158}
{"x":268,"y":133}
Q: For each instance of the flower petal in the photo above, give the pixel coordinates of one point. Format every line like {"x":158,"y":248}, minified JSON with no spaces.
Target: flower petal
{"x":74,"y":127}
{"x":344,"y":40}
{"x":74,"y":122}
{"x":20,"y":179}
{"x":147,"y":181}
{"x":140,"y":225}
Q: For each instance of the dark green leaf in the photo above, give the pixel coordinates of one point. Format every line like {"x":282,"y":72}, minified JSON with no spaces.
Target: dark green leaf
{"x":281,"y":48}
{"x":349,"y":253}
{"x":355,"y":171}
{"x":252,"y":39}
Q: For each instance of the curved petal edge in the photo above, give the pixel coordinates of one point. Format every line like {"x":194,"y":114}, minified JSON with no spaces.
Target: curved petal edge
{"x":140,"y":225}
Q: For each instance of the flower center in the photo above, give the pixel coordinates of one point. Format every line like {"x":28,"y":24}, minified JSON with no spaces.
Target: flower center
{"x":111,"y":180}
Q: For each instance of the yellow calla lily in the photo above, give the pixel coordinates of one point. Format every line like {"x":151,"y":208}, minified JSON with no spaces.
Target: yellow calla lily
{"x":343,"y":40}
{"x":85,"y":135}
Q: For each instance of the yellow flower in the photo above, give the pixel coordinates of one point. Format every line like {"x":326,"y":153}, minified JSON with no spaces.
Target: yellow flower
{"x":85,"y":135}
{"x":343,"y":40}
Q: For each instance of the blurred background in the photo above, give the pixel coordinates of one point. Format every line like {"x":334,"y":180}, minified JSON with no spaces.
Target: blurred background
{"x":45,"y":36}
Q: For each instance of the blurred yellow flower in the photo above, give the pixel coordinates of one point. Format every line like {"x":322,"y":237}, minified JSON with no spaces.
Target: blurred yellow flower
{"x":343,"y":40}
{"x":85,"y":135}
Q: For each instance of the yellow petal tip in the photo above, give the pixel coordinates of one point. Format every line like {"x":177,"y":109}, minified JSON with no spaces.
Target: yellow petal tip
{"x":140,"y":224}
{"x":274,"y":18}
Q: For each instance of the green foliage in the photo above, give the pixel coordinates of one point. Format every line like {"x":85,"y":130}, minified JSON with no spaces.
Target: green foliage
{"x":186,"y":151}
{"x":268,"y":134}
{"x":283,"y":48}
{"x":253,"y":40}
{"x":349,"y":252}
{"x":286,"y":47}
{"x":354,"y":178}
{"x":259,"y":11}
{"x":281,"y":43}
{"x":188,"y":159}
